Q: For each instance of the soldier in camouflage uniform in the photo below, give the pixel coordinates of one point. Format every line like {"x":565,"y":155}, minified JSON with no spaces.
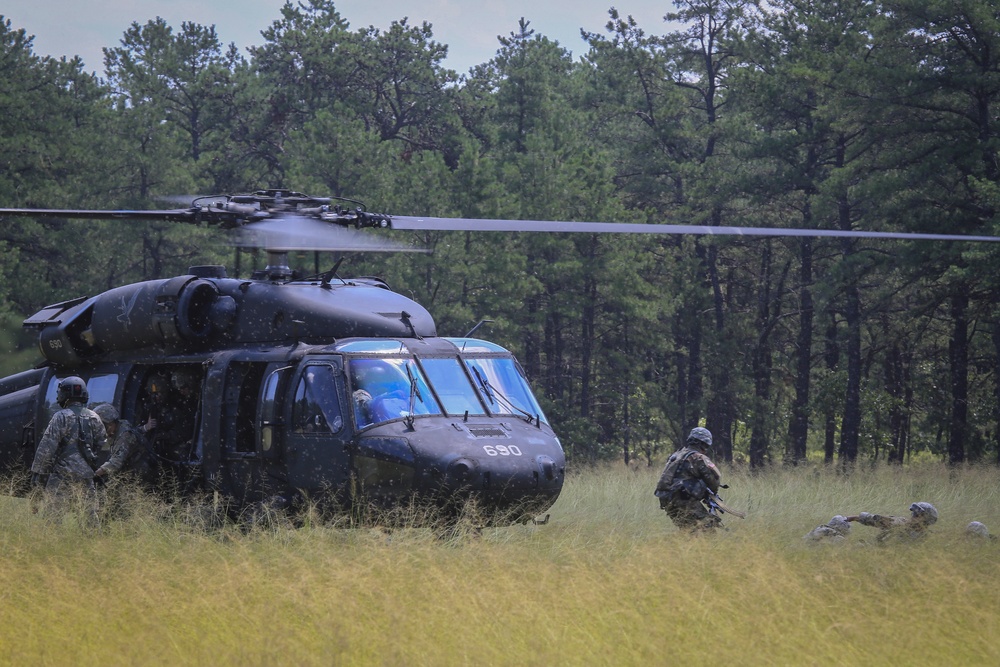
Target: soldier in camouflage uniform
{"x":129,"y":451}
{"x":65,"y":453}
{"x":978,"y":530}
{"x":686,"y":479}
{"x":836,"y":530}
{"x":913,"y":527}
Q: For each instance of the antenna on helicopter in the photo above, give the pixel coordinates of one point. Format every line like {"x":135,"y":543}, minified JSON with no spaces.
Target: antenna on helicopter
{"x":331,"y":274}
{"x":479,"y":324}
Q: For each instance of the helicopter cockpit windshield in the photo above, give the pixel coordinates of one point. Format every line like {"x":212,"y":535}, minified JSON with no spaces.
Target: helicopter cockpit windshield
{"x":385,"y":389}
{"x":499,"y":379}
{"x":480,"y":379}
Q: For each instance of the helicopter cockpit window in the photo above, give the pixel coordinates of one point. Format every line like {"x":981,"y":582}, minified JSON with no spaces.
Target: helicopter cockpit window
{"x":468,"y":345}
{"x":452,"y":386}
{"x":101,"y":389}
{"x":504,"y":388}
{"x":317,"y":407}
{"x":372,"y":346}
{"x":385,"y":389}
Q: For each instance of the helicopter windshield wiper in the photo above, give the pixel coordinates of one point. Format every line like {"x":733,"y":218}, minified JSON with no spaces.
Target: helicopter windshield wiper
{"x":414,"y":395}
{"x":484,"y":385}
{"x":496,"y":396}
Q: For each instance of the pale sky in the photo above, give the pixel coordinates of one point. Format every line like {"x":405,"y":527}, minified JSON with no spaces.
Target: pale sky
{"x":468,"y":27}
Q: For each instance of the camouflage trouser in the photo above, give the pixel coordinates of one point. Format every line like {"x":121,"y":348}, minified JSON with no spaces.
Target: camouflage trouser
{"x":67,"y":494}
{"x":690,"y":515}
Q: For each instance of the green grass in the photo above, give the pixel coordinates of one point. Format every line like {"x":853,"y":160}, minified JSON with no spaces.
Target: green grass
{"x":607,"y":582}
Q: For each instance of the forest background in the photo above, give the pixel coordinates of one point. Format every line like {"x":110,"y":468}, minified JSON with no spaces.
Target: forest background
{"x":833,"y":114}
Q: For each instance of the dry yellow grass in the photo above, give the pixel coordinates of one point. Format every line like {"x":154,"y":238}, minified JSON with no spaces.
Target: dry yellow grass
{"x":607,"y":582}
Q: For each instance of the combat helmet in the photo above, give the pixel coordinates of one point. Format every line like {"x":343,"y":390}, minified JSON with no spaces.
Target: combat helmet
{"x":700,"y":436}
{"x":977,"y":529}
{"x":926,"y":511}
{"x":840,"y":525}
{"x":108,"y":413}
{"x":72,"y":388}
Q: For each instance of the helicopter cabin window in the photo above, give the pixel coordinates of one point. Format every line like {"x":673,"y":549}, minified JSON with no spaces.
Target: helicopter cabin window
{"x":240,"y":406}
{"x":316,"y":409}
{"x":452,"y":386}
{"x":386,"y":389}
{"x":269,"y":409}
{"x":504,"y":387}
{"x":101,"y":389}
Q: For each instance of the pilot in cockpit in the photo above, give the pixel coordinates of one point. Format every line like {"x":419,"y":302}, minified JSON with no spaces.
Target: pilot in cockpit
{"x":380,"y":391}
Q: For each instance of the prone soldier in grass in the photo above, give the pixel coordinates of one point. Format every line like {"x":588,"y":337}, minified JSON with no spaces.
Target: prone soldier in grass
{"x":913,"y":527}
{"x":835,"y":530}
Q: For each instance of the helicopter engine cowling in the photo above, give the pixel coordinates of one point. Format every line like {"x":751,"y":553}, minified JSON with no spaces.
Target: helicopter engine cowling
{"x":179,"y":310}
{"x":185,"y":311}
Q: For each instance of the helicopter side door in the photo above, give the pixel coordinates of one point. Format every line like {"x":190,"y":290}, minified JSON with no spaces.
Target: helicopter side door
{"x":317,"y":437}
{"x":240,"y":469}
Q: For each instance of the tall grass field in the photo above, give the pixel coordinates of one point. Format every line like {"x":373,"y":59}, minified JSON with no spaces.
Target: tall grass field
{"x":608,"y":581}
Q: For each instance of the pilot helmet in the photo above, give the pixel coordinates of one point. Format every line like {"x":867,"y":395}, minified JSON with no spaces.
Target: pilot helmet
{"x":72,"y":389}
{"x":375,"y":376}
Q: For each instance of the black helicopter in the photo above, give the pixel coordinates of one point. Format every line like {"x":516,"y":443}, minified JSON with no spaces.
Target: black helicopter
{"x":322,"y":387}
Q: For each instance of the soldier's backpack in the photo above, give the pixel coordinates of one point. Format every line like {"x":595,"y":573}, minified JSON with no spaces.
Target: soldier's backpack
{"x":675,"y":484}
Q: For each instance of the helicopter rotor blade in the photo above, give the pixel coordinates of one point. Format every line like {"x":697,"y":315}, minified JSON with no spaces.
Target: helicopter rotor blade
{"x":486,"y":225}
{"x":294,"y":233}
{"x":251,"y":228}
{"x":170,"y":215}
{"x":325,"y":231}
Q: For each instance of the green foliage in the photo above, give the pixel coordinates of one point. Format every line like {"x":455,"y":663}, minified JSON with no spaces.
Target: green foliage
{"x":835,"y":115}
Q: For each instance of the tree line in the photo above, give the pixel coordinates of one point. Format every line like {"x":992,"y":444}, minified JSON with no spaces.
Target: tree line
{"x":833,"y":114}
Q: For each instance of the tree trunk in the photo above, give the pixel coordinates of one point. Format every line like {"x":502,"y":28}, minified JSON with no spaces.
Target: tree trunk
{"x":587,"y":326}
{"x":896,"y":376}
{"x":768,"y":314}
{"x":958,"y":349}
{"x":798,"y":426}
{"x":719,"y":415}
{"x":850,"y":427}
{"x":832,"y":356}
{"x":996,"y":387}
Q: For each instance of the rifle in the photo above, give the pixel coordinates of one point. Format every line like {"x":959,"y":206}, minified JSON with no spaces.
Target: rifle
{"x":715,"y":504}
